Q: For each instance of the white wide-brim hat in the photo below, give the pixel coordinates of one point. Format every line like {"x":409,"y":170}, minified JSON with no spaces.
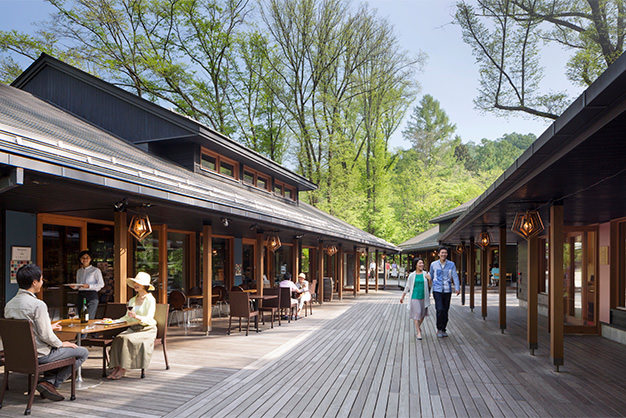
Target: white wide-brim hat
{"x":141,"y":278}
{"x":302,"y":275}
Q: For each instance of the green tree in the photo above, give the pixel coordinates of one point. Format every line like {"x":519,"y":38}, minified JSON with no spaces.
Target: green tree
{"x":506,"y":35}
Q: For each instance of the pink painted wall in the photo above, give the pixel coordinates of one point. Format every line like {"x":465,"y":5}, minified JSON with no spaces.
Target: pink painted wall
{"x":604,"y":281}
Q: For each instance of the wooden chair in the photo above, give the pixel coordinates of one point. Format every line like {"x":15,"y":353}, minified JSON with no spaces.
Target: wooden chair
{"x":271,"y":305}
{"x":240,"y":308}
{"x":20,"y":356}
{"x":161,"y":315}
{"x":178,"y":303}
{"x":286,"y":303}
{"x":309,"y":303}
{"x":219,"y":294}
{"x":112,"y":310}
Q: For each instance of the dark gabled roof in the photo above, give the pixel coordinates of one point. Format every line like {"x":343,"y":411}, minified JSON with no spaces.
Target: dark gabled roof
{"x":453,"y":213}
{"x":214,"y":138}
{"x":41,"y":132}
{"x":425,"y":241}
{"x":578,"y":160}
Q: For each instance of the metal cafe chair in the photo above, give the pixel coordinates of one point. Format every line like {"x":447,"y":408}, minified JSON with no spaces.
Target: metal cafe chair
{"x":20,"y":356}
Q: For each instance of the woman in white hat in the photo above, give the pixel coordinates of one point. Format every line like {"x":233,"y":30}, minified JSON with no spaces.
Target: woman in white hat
{"x":132,"y":349}
{"x":305,"y":296}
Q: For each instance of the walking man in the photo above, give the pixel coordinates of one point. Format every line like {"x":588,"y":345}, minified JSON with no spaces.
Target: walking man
{"x":442,"y":272}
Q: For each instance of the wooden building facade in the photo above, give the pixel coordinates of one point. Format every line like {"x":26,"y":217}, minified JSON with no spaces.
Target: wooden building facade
{"x":80,"y":158}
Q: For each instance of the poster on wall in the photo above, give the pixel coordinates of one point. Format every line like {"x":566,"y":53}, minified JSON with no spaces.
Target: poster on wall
{"x":20,"y":256}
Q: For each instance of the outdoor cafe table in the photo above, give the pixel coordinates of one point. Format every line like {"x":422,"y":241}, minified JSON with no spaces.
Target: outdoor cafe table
{"x":93,"y":326}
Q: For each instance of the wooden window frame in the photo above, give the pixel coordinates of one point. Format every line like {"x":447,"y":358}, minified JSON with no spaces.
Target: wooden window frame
{"x":284,"y":186}
{"x":255,"y":176}
{"x":218,"y":163}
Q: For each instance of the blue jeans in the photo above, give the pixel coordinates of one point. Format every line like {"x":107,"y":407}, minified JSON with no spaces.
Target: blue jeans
{"x":58,"y":376}
{"x":442,"y":305}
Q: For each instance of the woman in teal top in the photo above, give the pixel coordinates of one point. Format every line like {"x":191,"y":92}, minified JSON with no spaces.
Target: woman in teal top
{"x":417,"y":285}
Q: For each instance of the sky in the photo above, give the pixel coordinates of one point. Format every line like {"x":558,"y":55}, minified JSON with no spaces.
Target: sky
{"x":450,"y":73}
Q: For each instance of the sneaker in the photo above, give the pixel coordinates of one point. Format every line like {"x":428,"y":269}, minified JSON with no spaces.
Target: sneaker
{"x":444,"y":334}
{"x":48,"y":391}
{"x":439,"y":334}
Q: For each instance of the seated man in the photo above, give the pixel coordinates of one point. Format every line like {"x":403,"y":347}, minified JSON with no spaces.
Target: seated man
{"x":287,"y":282}
{"x":25,"y":305}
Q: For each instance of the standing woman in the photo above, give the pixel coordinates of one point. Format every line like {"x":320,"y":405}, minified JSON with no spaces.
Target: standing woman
{"x":417,"y":285}
{"x":89,"y":279}
{"x":132,"y":349}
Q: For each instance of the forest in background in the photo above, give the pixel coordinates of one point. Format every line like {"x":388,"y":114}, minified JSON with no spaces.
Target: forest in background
{"x":321,"y":85}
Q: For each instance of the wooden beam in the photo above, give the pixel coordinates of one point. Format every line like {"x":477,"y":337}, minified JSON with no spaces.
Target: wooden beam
{"x":295,"y":258}
{"x":192,"y":259}
{"x":207,"y":277}
{"x":258,"y":271}
{"x":614,"y":265}
{"x":357,"y":272}
{"x":340,"y":269}
{"x":556,"y":285}
{"x":120,"y":257}
{"x":471,"y":273}
{"x":377,"y":258}
{"x":484,"y":278}
{"x":320,"y":273}
{"x":163,"y":264}
{"x":502,"y":281}
{"x":532,"y":283}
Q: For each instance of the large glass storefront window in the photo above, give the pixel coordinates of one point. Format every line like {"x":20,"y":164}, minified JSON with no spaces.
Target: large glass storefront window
{"x":221,"y":263}
{"x":248,"y":266}
{"x":283,"y":262}
{"x":146,"y":258}
{"x":177,"y":261}
{"x":100,"y":243}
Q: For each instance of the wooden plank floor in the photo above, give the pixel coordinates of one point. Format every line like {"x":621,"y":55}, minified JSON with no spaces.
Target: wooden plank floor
{"x":361,"y":358}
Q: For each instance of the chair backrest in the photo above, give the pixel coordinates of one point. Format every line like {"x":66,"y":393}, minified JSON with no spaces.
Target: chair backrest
{"x":285,"y":297}
{"x":272,"y":303}
{"x":239,"y":304}
{"x":221,"y":292}
{"x":160,"y":315}
{"x":20,"y":350}
{"x":114,"y":310}
{"x":177,"y":299}
{"x":236,"y":289}
{"x":195,"y":291}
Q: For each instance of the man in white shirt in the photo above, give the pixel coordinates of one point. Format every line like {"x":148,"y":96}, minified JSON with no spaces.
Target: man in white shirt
{"x":25,"y":305}
{"x":90,"y":281}
{"x":287,"y":282}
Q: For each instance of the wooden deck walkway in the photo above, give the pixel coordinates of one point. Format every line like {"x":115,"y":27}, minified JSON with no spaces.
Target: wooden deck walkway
{"x":360,"y":358}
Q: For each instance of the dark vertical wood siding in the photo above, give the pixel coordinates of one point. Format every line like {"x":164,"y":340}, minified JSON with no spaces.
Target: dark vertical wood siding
{"x":180,"y":152}
{"x":99,"y":107}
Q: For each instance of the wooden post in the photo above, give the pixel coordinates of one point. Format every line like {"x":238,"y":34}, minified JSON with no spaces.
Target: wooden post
{"x":386,"y":272}
{"x":471,"y":273}
{"x":502,"y":281}
{"x":484,"y":278}
{"x":120,"y":257}
{"x":320,"y":273}
{"x":295,"y":257}
{"x":357,"y":272}
{"x":259,"y":268}
{"x":163,"y":264}
{"x":556,"y":284}
{"x":532,"y":282}
{"x":377,"y":256}
{"x":367,"y":272}
{"x":207,"y":277}
{"x":340,"y":269}
{"x":614,"y":264}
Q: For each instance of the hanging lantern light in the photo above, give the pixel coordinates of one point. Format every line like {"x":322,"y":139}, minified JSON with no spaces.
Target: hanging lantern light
{"x":140,"y":227}
{"x":434,"y":253}
{"x":332,"y":250}
{"x":460,"y":249}
{"x":484,"y":239}
{"x":527,"y":225}
{"x":273,"y":242}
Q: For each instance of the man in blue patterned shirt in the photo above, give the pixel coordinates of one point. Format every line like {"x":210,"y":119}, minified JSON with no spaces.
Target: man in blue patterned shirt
{"x":443,"y":272}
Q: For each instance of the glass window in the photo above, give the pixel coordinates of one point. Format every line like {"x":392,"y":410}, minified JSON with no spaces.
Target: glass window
{"x":288,"y":193}
{"x":177,"y":261}
{"x":261,"y":183}
{"x":221,"y":262}
{"x":278,"y":189}
{"x":209,"y":162}
{"x":248,"y":177}
{"x":282,"y":262}
{"x":227,"y":169}
{"x":146,"y":258}
{"x":100,"y":243}
{"x":247,"y":266}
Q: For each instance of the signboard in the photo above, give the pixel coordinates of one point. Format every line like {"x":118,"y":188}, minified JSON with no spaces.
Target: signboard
{"x":20,"y":256}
